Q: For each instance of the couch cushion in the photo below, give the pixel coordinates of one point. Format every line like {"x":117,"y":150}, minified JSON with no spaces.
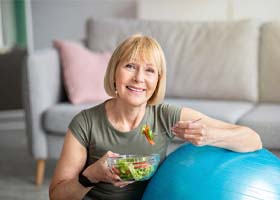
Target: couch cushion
{"x":265,"y":119}
{"x":57,"y":118}
{"x":229,"y":111}
{"x":269,"y":62}
{"x":83,"y":72}
{"x":211,"y":60}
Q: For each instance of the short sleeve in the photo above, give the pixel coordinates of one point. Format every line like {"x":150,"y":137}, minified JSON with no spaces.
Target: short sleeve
{"x":79,"y":126}
{"x":170,"y":115}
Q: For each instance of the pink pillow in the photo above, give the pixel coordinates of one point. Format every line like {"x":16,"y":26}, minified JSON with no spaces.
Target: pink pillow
{"x":83,"y":72}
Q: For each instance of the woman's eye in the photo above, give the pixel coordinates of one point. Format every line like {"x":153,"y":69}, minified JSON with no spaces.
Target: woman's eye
{"x":130,"y":66}
{"x":150,"y":70}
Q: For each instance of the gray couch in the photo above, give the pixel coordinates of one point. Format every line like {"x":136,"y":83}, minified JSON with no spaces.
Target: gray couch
{"x":228,"y":70}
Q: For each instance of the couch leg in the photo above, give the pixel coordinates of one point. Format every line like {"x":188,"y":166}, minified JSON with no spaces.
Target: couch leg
{"x":40,"y":172}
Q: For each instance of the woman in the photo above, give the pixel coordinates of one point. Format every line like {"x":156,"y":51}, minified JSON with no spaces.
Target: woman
{"x":136,"y":79}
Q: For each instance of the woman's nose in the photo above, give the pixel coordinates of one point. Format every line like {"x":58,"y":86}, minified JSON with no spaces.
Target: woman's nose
{"x":139,"y":76}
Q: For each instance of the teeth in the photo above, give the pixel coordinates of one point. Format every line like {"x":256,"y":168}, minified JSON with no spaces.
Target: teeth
{"x":135,"y":89}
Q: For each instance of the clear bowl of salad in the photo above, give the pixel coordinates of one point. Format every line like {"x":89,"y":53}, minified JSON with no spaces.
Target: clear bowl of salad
{"x":134,"y":167}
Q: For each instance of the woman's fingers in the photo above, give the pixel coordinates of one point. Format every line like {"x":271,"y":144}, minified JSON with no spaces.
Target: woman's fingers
{"x":107,"y":155}
{"x":113,"y":174}
{"x":188,"y":125}
{"x":111,"y":154}
{"x":105,"y":173}
{"x":115,"y":171}
{"x":182,"y":131}
{"x":124,"y":183}
{"x":189,"y":131}
{"x":116,"y":180}
{"x":197,"y":140}
{"x":194,"y":132}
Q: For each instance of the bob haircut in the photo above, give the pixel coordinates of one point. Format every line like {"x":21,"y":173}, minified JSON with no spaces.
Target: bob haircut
{"x":143,"y":47}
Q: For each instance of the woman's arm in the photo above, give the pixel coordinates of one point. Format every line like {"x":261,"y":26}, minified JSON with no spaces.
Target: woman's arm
{"x":65,"y":184}
{"x":209,"y":131}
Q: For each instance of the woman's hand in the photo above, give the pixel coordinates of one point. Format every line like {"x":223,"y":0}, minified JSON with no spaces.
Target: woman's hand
{"x":100,"y":171}
{"x":192,"y":131}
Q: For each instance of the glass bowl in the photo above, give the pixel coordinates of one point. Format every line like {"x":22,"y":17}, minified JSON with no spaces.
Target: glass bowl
{"x":134,"y":167}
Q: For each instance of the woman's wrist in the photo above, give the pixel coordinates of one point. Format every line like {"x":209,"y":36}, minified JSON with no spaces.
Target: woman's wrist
{"x":86,"y":179}
{"x":90,"y":175}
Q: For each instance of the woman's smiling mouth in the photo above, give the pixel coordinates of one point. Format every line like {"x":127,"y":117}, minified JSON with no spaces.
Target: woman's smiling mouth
{"x":135,"y":89}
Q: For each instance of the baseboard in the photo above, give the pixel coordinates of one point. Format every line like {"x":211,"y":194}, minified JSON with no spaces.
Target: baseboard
{"x":12,"y":120}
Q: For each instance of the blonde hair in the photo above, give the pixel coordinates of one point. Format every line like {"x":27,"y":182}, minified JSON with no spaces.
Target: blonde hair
{"x":138,"y":46}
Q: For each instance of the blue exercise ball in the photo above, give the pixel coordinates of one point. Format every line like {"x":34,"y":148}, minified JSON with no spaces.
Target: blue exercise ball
{"x":210,"y":173}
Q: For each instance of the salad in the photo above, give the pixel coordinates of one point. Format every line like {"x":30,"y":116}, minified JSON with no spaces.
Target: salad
{"x":149,"y":134}
{"x":135,"y":168}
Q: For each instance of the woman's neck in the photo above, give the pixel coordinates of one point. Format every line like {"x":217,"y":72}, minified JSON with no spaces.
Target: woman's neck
{"x":124,"y":117}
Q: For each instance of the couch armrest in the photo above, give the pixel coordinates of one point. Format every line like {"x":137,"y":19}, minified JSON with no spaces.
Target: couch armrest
{"x":42,"y":87}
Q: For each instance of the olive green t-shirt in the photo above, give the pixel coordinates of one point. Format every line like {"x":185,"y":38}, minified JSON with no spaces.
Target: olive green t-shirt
{"x":94,"y":131}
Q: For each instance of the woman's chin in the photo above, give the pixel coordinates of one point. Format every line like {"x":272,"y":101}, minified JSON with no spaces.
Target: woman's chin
{"x":136,"y":102}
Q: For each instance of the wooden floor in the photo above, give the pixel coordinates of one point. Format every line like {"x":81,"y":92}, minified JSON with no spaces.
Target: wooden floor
{"x":17,"y":168}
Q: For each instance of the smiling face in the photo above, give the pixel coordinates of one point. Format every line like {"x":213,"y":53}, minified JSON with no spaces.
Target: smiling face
{"x":137,"y":71}
{"x":136,"y":81}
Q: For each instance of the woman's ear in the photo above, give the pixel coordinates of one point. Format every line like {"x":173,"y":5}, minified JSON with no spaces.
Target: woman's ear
{"x":116,"y":91}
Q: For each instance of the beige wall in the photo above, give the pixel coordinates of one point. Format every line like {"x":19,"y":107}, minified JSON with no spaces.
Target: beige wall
{"x":258,"y":9}
{"x":209,"y":10}
{"x":182,"y":9}
{"x":66,"y":19}
{"x":51,"y":19}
